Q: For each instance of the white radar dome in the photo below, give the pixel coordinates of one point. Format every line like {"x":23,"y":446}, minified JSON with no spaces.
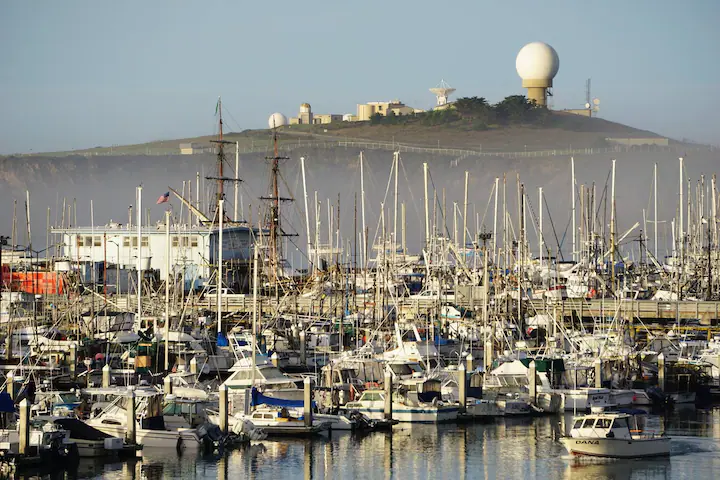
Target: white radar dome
{"x":277,"y":120}
{"x":537,"y":61}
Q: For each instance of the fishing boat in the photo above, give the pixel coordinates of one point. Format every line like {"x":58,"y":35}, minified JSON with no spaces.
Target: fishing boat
{"x":613,"y":435}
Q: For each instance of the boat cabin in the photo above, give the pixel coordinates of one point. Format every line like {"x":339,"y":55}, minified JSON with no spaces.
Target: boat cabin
{"x":611,"y":425}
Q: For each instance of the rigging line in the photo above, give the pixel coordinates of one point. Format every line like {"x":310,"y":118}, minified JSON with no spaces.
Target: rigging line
{"x":552,"y":224}
{"x":437,"y":204}
{"x":412,"y":196}
{"x":487,"y":207}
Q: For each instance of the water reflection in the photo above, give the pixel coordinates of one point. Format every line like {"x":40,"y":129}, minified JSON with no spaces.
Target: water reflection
{"x":503,"y":448}
{"x":618,"y":470}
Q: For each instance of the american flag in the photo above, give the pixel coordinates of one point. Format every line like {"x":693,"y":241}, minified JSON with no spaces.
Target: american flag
{"x":163,"y":198}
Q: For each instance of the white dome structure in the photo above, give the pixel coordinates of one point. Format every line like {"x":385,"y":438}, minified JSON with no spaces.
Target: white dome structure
{"x":537,"y":63}
{"x":277,"y":120}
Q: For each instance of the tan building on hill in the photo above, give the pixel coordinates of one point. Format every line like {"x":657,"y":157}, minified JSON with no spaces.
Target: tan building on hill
{"x":307,"y":117}
{"x":367,"y":110}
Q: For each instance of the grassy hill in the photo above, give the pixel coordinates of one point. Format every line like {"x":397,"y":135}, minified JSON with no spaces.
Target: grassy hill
{"x":543,"y":130}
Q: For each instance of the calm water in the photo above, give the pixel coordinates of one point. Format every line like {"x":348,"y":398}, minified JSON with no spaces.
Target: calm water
{"x":505,"y":448}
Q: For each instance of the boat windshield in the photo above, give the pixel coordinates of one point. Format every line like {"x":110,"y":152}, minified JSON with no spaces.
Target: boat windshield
{"x":272,"y":373}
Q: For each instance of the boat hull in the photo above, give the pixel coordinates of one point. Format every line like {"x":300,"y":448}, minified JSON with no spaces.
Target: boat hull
{"x":617,"y":447}
{"x":404,"y":414}
{"x":155,"y":438}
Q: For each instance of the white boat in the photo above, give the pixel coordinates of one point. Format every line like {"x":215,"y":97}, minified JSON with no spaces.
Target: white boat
{"x":404,"y":409}
{"x":612,"y":435}
{"x":279,"y":421}
{"x":151,"y":430}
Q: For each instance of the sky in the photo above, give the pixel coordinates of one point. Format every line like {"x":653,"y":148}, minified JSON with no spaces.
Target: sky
{"x":77,"y":74}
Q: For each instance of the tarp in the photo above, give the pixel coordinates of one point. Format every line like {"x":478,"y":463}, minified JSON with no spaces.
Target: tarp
{"x":258,"y":398}
{"x":222,"y":340}
{"x":81,"y":430}
{"x":546,"y":364}
{"x":6,"y":403}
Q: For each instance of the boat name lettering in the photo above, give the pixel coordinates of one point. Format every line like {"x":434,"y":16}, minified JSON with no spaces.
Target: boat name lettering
{"x":587,"y":442}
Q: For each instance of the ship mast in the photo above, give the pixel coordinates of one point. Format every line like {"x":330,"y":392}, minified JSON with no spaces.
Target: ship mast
{"x":220,"y":159}
{"x":273,"y":220}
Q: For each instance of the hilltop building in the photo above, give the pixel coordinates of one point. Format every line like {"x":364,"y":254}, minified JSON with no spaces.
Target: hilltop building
{"x":367,"y":110}
{"x":307,"y":117}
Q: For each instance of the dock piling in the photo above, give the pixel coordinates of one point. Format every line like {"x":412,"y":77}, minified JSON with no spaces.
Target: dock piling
{"x":532,"y":381}
{"x":388,"y":396}
{"x":24,"y":426}
{"x":106,"y":371}
{"x":131,"y":425}
{"x":10,"y":380}
{"x":223,"y":400}
{"x":307,"y":403}
{"x":661,"y":371}
{"x":167,"y":385}
{"x":462,"y":387}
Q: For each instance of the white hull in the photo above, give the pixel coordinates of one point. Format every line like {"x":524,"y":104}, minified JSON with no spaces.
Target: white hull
{"x":405,"y":414}
{"x":617,"y":447}
{"x":155,"y":438}
{"x":622,"y":398}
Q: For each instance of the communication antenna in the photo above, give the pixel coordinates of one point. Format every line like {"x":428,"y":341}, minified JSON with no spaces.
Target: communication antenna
{"x":592,"y":105}
{"x":442,"y":92}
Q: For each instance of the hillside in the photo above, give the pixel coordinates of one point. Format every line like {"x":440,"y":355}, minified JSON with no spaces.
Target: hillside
{"x":561,"y":130}
{"x":556,"y":130}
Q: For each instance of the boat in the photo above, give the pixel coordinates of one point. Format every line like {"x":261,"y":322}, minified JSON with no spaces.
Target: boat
{"x":151,"y":430}
{"x":613,"y":435}
{"x":408,"y":405}
{"x":279,"y":421}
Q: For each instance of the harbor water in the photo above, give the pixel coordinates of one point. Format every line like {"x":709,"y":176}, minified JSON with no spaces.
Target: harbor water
{"x":514,"y":448}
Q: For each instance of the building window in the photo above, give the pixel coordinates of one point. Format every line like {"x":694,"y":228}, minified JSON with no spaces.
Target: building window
{"x":185,"y":241}
{"x":175,"y":242}
{"x":98,"y":242}
{"x":134,"y":242}
{"x":88,"y":241}
{"x":145,"y":242}
{"x":126,"y":241}
{"x":80,"y":242}
{"x":194,"y":241}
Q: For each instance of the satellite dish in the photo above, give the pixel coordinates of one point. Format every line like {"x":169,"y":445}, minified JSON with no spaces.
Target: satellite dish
{"x":587,"y":105}
{"x":596,"y":101}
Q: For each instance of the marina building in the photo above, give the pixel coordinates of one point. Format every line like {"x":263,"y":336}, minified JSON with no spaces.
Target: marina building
{"x":192,"y":254}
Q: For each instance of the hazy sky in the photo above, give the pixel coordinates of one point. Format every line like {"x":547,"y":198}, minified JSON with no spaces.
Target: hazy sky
{"x":76,"y":74}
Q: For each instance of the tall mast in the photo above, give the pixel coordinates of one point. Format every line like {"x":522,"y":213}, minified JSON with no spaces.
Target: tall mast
{"x":655,"y":207}
{"x":572,"y":200}
{"x":612,"y":230}
{"x":362,"y":208}
{"x":274,"y":215}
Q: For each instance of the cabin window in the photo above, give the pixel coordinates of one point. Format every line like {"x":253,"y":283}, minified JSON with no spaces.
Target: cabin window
{"x":80,"y":241}
{"x":175,"y":242}
{"x":603,"y":423}
{"x":126,"y":241}
{"x":193,"y":241}
{"x":588,"y":423}
{"x":268,"y":416}
{"x":98,"y":241}
{"x":578,"y":424}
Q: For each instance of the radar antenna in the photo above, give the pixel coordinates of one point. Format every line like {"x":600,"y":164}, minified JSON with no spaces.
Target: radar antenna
{"x":442,"y":91}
